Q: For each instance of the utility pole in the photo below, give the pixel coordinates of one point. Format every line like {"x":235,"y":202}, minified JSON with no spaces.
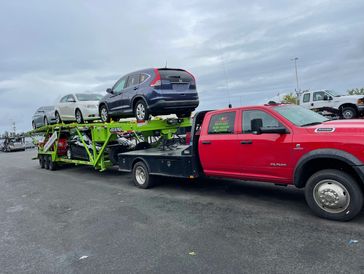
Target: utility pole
{"x":297,"y":89}
{"x":295,"y":66}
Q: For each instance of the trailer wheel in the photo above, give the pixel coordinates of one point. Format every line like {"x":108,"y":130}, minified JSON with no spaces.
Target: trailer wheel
{"x":46,"y":162}
{"x":52,"y":165}
{"x":334,"y":195}
{"x":41,"y":161}
{"x":141,"y":176}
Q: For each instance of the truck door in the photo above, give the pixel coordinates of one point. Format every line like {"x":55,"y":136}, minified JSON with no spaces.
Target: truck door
{"x":265,"y":156}
{"x":218,"y":145}
{"x":320,"y":99}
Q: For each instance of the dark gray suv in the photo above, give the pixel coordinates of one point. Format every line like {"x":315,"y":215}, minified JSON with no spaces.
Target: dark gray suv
{"x":150,"y":92}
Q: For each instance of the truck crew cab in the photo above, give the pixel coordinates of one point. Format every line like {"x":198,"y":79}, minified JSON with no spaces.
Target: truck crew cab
{"x":283,"y":144}
{"x":345,"y":106}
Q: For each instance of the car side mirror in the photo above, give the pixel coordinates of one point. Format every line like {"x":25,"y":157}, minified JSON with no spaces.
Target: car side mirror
{"x":273,"y":130}
{"x":109,"y":90}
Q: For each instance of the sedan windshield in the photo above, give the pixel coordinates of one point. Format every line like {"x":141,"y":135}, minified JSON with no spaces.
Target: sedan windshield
{"x":300,"y":116}
{"x":88,"y":97}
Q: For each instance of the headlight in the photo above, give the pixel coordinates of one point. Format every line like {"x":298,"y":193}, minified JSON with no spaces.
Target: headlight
{"x":360,"y":101}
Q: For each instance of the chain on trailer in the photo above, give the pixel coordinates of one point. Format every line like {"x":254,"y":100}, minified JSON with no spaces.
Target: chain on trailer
{"x":101,"y":142}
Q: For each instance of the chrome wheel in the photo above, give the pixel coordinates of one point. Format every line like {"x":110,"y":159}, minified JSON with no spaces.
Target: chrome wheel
{"x":140,"y":175}
{"x":331,"y":196}
{"x":79,"y":118}
{"x":140,"y":111}
{"x":104,"y":115}
{"x":348,"y":114}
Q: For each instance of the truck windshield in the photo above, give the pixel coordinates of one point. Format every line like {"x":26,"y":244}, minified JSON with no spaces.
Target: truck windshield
{"x":300,"y":116}
{"x":333,"y":93}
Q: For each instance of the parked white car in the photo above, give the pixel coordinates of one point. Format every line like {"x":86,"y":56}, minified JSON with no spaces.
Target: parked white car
{"x":78,"y":107}
{"x":346,"y":106}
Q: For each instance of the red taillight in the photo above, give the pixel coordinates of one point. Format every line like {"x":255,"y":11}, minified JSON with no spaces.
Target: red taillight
{"x":157,"y":80}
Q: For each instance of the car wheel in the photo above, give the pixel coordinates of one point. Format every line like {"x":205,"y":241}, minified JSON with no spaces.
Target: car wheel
{"x":104,"y":114}
{"x":79,"y":118}
{"x":46,"y":121}
{"x":333,"y":194}
{"x":33,"y":125}
{"x":141,"y":111}
{"x":141,"y":176}
{"x":58,"y":118}
{"x":348,"y":113}
{"x":41,"y":161}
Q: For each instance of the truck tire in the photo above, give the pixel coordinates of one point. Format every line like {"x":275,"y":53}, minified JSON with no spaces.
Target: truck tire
{"x":334,"y":195}
{"x":141,"y":177}
{"x":349,"y":113}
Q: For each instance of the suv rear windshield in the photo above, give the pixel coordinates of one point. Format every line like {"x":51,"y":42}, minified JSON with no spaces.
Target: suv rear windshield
{"x":176,"y":76}
{"x":88,"y":97}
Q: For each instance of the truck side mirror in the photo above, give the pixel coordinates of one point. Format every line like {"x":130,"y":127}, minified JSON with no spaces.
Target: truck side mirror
{"x":326,"y":98}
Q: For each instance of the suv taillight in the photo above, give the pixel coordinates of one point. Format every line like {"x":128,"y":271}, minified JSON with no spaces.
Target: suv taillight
{"x":156,"y":83}
{"x":193,"y":82}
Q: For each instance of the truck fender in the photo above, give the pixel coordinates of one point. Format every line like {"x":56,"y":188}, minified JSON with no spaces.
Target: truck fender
{"x":337,"y":154}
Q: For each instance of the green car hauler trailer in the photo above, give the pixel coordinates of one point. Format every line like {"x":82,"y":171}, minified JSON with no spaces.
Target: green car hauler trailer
{"x":101,"y":143}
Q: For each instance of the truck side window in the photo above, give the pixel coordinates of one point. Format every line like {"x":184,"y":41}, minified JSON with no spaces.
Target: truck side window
{"x":306,"y":97}
{"x":318,"y":95}
{"x":258,"y":118}
{"x":222,"y":123}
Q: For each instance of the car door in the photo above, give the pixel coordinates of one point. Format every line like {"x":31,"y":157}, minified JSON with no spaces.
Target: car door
{"x":68,"y":108}
{"x":218,"y":145}
{"x":131,"y":89}
{"x":265,"y":156}
{"x":62,"y":106}
{"x":115,"y":99}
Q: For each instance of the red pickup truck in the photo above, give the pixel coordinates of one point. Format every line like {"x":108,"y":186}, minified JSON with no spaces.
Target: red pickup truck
{"x":283,"y":144}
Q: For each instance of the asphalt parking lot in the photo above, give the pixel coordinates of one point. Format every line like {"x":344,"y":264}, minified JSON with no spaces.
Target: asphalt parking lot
{"x":77,"y":220}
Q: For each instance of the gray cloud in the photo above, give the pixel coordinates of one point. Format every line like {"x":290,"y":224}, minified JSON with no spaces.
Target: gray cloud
{"x":236,"y":49}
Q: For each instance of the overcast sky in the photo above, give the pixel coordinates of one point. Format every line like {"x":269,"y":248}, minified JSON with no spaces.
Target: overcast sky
{"x":240,"y":50}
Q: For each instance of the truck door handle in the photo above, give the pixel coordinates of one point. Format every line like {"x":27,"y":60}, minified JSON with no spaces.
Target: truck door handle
{"x":206,"y":142}
{"x":311,"y":104}
{"x":246,"y":142}
{"x":135,"y":88}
